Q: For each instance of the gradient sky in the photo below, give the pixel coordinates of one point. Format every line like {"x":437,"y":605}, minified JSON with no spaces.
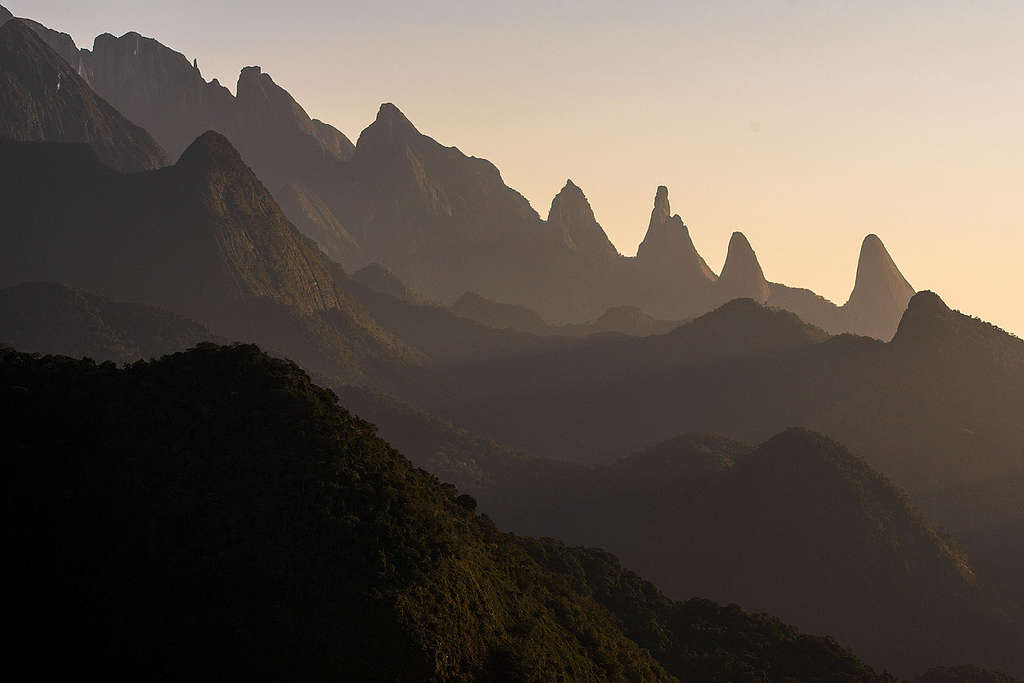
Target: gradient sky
{"x":806,"y":125}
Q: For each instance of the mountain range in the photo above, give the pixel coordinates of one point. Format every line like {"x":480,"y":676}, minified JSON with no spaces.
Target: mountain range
{"x":445,"y":222}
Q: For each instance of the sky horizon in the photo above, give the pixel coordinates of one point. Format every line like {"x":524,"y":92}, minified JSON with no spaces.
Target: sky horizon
{"x":804,"y":125}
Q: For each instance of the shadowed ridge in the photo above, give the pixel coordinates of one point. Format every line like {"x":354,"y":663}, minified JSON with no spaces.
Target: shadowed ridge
{"x":667,"y":248}
{"x":880,"y":293}
{"x":210,"y":150}
{"x":742,"y":275}
{"x":5,"y":15}
{"x":381,"y":279}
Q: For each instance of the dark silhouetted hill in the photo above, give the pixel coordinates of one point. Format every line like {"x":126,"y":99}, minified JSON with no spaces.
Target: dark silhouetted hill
{"x":798,"y":527}
{"x":215,"y":515}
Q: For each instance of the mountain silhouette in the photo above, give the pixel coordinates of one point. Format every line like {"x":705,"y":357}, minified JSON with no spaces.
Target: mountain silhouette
{"x":202,"y":238}
{"x":742,"y":277}
{"x":268,"y":532}
{"x":420,"y":208}
{"x":43,"y":98}
{"x":799,"y":527}
{"x":936,"y":410}
{"x":667,"y":250}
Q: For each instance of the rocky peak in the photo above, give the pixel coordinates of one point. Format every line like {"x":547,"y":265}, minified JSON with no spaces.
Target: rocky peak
{"x":5,"y":15}
{"x":211,"y":151}
{"x":662,"y":210}
{"x":391,"y":127}
{"x":573,"y":218}
{"x":259,"y":95}
{"x":667,"y":249}
{"x":742,"y":275}
{"x":880,"y":293}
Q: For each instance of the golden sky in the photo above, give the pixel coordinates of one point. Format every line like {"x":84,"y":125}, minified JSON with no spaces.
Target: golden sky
{"x":806,"y":125}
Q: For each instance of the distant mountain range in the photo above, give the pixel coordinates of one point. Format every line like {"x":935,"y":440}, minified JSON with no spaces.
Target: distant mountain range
{"x":444,"y":222}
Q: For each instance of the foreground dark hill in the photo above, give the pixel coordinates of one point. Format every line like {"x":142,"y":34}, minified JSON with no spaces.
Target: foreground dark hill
{"x":798,"y":527}
{"x":214,"y":515}
{"x":202,"y":238}
{"x":49,"y":318}
{"x":43,"y":98}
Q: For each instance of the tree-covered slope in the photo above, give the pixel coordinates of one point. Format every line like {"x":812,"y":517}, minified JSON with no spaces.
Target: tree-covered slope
{"x":215,"y":515}
{"x":798,"y":527}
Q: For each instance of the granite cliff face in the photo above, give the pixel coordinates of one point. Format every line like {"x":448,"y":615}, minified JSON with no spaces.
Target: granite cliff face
{"x":43,"y":98}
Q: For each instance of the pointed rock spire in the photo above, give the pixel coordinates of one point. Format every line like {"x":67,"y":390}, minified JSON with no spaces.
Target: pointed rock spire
{"x":667,"y":250}
{"x":742,"y":276}
{"x":573,"y":218}
{"x":880,"y":293}
{"x":5,"y":15}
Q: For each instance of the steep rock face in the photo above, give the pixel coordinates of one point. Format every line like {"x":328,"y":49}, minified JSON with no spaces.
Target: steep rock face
{"x":741,"y":275}
{"x":43,"y":98}
{"x":64,"y":45}
{"x":314,"y":218}
{"x":159,"y":89}
{"x":274,"y":134}
{"x":5,"y":15}
{"x":667,"y":250}
{"x":880,"y":294}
